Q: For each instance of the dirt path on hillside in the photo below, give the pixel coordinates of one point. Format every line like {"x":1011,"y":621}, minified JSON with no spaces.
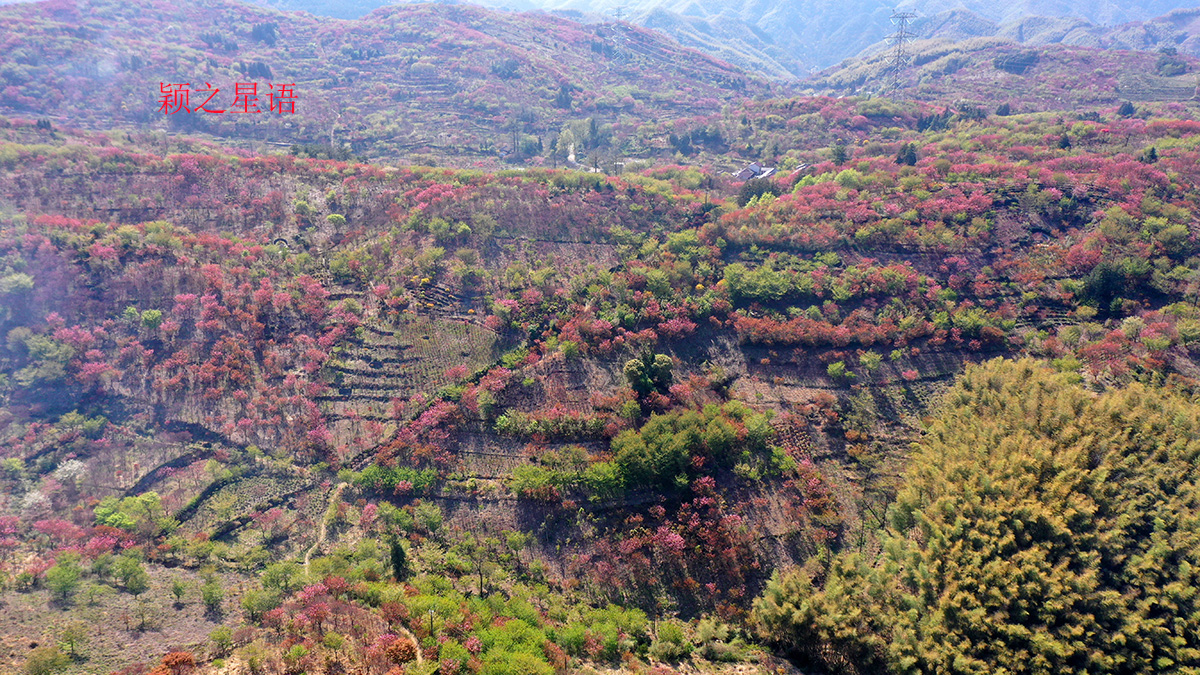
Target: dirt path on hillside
{"x":337,"y":494}
{"x":321,"y":534}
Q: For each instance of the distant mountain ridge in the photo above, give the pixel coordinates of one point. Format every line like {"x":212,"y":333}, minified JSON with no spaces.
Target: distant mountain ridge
{"x":1178,"y":29}
{"x":789,"y":39}
{"x":990,"y":73}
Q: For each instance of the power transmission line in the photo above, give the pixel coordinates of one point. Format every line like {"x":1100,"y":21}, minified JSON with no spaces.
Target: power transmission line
{"x":899,"y":59}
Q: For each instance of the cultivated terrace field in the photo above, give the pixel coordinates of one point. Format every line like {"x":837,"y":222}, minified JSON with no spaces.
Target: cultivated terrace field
{"x":923,"y":401}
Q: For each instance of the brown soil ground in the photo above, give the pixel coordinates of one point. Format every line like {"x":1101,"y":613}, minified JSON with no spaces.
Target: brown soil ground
{"x":28,"y":620}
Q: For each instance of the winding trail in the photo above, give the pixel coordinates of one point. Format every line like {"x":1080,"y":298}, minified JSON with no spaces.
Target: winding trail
{"x":334,"y":496}
{"x":416,"y":643}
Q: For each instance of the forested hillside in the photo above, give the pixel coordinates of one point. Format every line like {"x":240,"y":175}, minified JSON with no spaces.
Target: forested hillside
{"x":433,"y":82}
{"x":919,"y":399}
{"x":990,"y":72}
{"x":579,"y":401}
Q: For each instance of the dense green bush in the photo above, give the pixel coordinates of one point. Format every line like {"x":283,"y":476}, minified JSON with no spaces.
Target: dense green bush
{"x":1041,"y":529}
{"x":662,"y":452}
{"x":565,"y":425}
{"x":63,"y":578}
{"x":670,"y":643}
{"x":46,"y":661}
{"x":385,"y":479}
{"x":754,"y":188}
{"x":648,"y":373}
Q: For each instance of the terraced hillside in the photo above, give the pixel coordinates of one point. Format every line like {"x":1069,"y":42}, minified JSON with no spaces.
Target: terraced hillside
{"x":387,"y":368}
{"x":544,"y":414}
{"x":1153,"y":88}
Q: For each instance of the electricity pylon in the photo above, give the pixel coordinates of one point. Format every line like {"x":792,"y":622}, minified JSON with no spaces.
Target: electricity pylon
{"x":899,"y":59}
